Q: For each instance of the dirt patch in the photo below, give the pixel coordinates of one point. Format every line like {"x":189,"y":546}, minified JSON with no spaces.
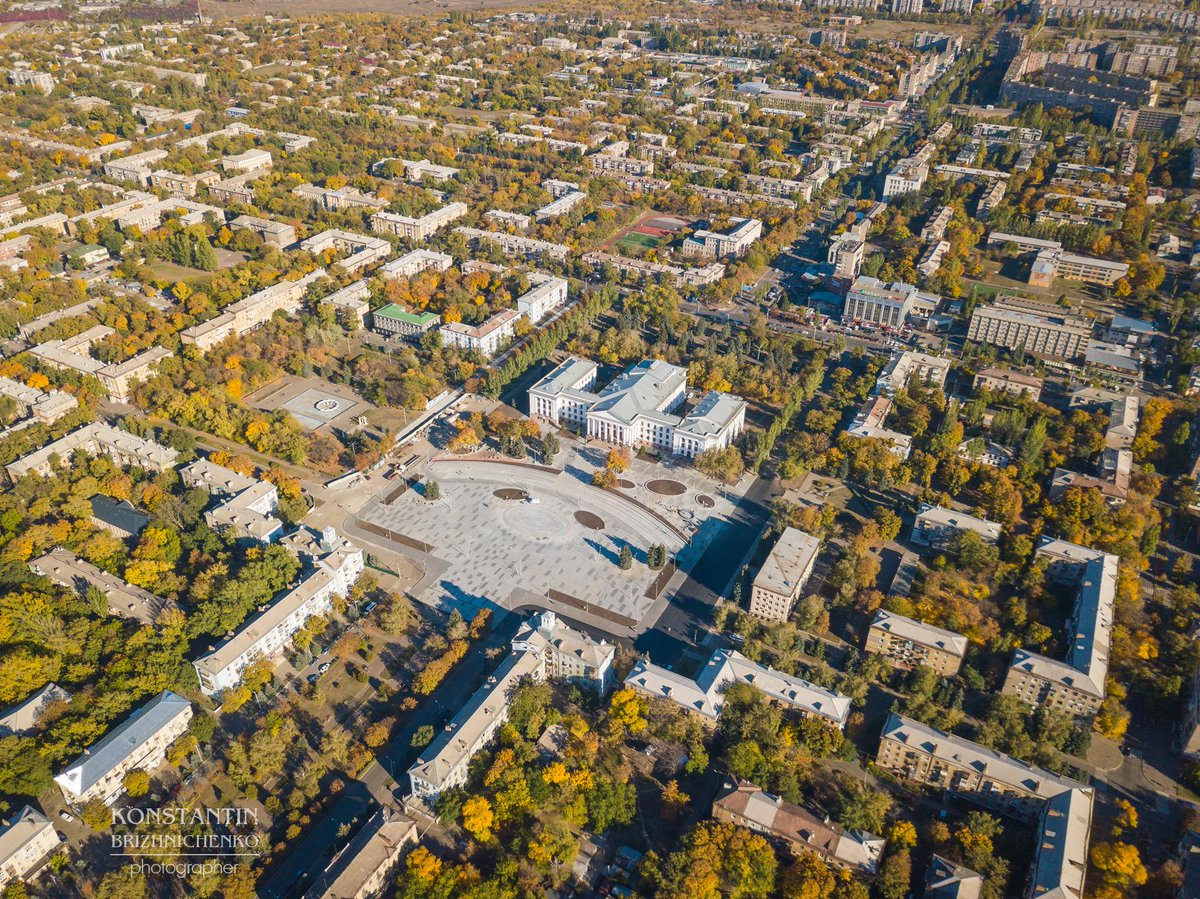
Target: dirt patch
{"x":511,"y":493}
{"x":666,"y":488}
{"x":706,"y":501}
{"x":628,"y":485}
{"x":590,"y":520}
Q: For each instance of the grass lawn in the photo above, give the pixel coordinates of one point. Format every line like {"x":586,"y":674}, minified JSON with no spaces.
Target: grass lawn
{"x":635,"y":240}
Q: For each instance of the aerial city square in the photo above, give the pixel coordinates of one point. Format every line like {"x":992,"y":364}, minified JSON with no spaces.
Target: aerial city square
{"x":675,"y":449}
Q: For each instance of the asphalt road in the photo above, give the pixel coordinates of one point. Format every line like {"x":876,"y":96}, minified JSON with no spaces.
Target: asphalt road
{"x":685,"y":621}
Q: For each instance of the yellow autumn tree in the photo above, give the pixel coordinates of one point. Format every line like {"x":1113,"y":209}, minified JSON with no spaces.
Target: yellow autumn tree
{"x":477,"y":818}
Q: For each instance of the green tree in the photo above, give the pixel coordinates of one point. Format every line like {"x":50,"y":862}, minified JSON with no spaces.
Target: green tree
{"x":550,"y":448}
{"x":625,"y":557}
{"x":433,"y":491}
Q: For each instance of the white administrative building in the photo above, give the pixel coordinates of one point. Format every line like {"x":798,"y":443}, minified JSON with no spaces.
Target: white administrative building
{"x":638,"y":408}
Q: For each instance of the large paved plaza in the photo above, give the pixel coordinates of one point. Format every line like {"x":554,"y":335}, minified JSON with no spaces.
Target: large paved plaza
{"x":510,"y":535}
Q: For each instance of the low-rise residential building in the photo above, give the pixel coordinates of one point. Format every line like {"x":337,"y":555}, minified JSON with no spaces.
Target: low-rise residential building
{"x":27,"y":841}
{"x":705,"y":694}
{"x":908,"y":643}
{"x":414,"y":262}
{"x":421,"y":228}
{"x":95,"y":439}
{"x":799,"y":829}
{"x":870,"y":423}
{"x":350,"y":304}
{"x":252,"y":312}
{"x":485,"y":338}
{"x":733,"y":243}
{"x":783,"y":575}
{"x":1013,"y":383}
{"x":1076,"y":685}
{"x":124,"y":599}
{"x":946,"y":880}
{"x":338,"y":199}
{"x":139,"y":743}
{"x":356,"y":251}
{"x":937,"y":527}
{"x":638,"y":408}
{"x":365,"y":866}
{"x":25,"y":717}
{"x":567,"y":654}
{"x":333,"y":565}
{"x":443,"y":764}
{"x":245,"y":506}
{"x":119,"y":517}
{"x":44,"y":406}
{"x":277,"y":234}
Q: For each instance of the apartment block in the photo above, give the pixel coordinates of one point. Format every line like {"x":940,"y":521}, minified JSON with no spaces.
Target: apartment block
{"x":246,"y":506}
{"x":567,"y":655}
{"x":124,"y":600}
{"x":485,"y":338}
{"x":514,"y":245}
{"x":704,"y":695}
{"x":937,"y":527}
{"x":547,"y":294}
{"x":418,"y":229}
{"x":925,"y":755}
{"x":139,"y":743}
{"x":907,"y":643}
{"x":252,"y":312}
{"x":118,"y":378}
{"x":414,"y":262}
{"x":1077,"y":684}
{"x":95,"y":439}
{"x":333,"y":565}
{"x":27,"y":840}
{"x":369,"y":861}
{"x":1041,"y":330}
{"x":783,"y":575}
{"x":1002,"y":380}
{"x":443,"y":764}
